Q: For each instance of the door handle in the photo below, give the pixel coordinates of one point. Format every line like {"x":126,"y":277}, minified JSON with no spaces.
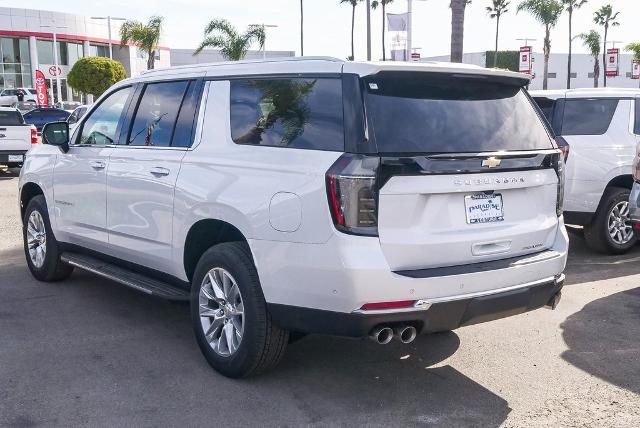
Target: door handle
{"x":97,"y":164}
{"x":160,"y":171}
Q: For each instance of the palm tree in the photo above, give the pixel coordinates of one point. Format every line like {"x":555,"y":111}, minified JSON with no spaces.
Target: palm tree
{"x":547,"y":13}
{"x":457,"y":28}
{"x":383,"y":4}
{"x":353,"y":4}
{"x":498,"y":9}
{"x":220,"y":34}
{"x":147,"y":37}
{"x":571,"y":6}
{"x":592,"y":41}
{"x":635,"y":49}
{"x":301,"y":27}
{"x":606,"y":18}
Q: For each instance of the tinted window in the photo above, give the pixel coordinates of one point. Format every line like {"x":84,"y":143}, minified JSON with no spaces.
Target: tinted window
{"x":637,"y":125}
{"x":9,"y":118}
{"x":588,"y":116}
{"x":9,"y":92}
{"x":296,"y":113}
{"x":101,"y":125}
{"x":33,"y":91}
{"x":414,"y":113}
{"x":546,"y":105}
{"x":156,"y":115}
{"x":183,"y":135}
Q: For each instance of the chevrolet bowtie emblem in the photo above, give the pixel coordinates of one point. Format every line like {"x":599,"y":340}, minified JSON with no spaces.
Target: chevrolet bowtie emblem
{"x":491,"y":162}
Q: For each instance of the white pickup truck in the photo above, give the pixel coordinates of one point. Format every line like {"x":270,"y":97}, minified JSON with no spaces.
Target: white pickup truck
{"x":16,"y":137}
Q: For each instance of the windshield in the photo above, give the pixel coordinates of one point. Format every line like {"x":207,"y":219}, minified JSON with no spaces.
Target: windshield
{"x":10,"y":118}
{"x":423,"y":113}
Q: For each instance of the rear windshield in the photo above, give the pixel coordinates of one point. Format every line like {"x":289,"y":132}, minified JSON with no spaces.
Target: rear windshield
{"x":9,"y":118}
{"x":410,"y":113}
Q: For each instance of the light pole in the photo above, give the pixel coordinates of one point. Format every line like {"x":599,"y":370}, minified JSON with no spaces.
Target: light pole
{"x":264,"y":31}
{"x":109,"y":18}
{"x":56,"y":65}
{"x":409,"y":27}
{"x":368,"y":30}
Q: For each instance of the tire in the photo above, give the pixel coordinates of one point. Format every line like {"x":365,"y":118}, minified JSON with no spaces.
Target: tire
{"x":597,"y":232}
{"x":47,"y":267}
{"x":262,"y":343}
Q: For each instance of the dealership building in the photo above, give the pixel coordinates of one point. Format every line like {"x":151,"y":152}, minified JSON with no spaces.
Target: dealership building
{"x":26,"y":45}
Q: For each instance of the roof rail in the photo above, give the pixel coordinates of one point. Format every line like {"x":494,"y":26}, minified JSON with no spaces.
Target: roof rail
{"x":248,"y":61}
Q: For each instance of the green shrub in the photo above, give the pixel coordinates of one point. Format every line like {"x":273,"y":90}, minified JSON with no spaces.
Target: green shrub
{"x":95,"y":74}
{"x":507,"y":60}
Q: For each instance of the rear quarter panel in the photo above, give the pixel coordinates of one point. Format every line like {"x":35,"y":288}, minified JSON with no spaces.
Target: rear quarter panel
{"x":237,"y":184}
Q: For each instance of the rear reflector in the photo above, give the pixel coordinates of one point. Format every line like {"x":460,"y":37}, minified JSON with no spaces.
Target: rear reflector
{"x":388,"y":305}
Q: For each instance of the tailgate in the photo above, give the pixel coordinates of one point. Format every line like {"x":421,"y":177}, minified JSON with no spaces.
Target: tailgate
{"x":15,"y":138}
{"x":425,"y":222}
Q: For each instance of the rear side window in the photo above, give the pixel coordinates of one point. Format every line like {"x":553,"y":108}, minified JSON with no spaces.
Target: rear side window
{"x":156,"y":115}
{"x":588,"y":116}
{"x":301,"y":113}
{"x":418,"y":113}
{"x":10,"y":118}
{"x":547,"y":106}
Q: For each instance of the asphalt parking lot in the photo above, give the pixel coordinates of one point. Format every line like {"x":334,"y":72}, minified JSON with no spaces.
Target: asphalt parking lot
{"x":89,"y":352}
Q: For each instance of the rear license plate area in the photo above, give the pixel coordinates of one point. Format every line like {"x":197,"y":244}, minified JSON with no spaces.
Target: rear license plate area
{"x":483,"y":208}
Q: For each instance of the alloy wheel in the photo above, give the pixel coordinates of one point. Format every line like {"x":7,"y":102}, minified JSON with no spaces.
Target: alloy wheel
{"x":221,"y":312}
{"x":36,"y":239}
{"x":619,"y":224}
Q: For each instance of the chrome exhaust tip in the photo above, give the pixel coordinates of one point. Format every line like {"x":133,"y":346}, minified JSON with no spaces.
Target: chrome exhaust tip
{"x":381,"y":335}
{"x":405,"y":333}
{"x":554,"y":301}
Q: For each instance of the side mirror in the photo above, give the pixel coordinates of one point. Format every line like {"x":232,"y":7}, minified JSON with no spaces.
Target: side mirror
{"x":72,"y":119}
{"x":56,"y":134}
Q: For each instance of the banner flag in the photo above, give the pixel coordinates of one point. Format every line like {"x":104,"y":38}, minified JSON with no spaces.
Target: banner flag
{"x":41,"y":88}
{"x":397,"y":21}
{"x":612,"y":62}
{"x":525,"y":59}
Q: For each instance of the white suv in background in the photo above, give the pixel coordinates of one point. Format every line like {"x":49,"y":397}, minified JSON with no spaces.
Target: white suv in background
{"x":306,"y":196}
{"x":602,"y":129}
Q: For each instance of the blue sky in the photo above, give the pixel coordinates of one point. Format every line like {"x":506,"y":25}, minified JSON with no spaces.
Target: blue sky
{"x":327,"y":23}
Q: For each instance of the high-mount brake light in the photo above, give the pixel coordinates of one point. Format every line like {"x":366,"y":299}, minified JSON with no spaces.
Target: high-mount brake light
{"x":353,"y":194}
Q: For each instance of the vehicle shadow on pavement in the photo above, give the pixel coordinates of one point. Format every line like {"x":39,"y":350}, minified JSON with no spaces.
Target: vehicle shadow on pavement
{"x":88,"y":351}
{"x":584,"y":265}
{"x":604,"y":339}
{"x":359,"y":381}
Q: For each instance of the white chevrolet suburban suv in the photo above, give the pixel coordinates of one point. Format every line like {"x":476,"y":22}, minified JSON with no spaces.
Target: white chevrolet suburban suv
{"x":306,"y":196}
{"x":601,"y":129}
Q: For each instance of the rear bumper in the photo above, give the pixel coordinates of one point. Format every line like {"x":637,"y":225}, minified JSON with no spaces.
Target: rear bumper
{"x":348,"y":272}
{"x":432,"y":317}
{"x":4,"y":156}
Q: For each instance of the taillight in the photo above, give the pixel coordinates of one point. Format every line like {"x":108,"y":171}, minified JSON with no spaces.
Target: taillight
{"x":559,"y":166}
{"x":34,"y":135}
{"x":353,"y":194}
{"x":564,"y":147}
